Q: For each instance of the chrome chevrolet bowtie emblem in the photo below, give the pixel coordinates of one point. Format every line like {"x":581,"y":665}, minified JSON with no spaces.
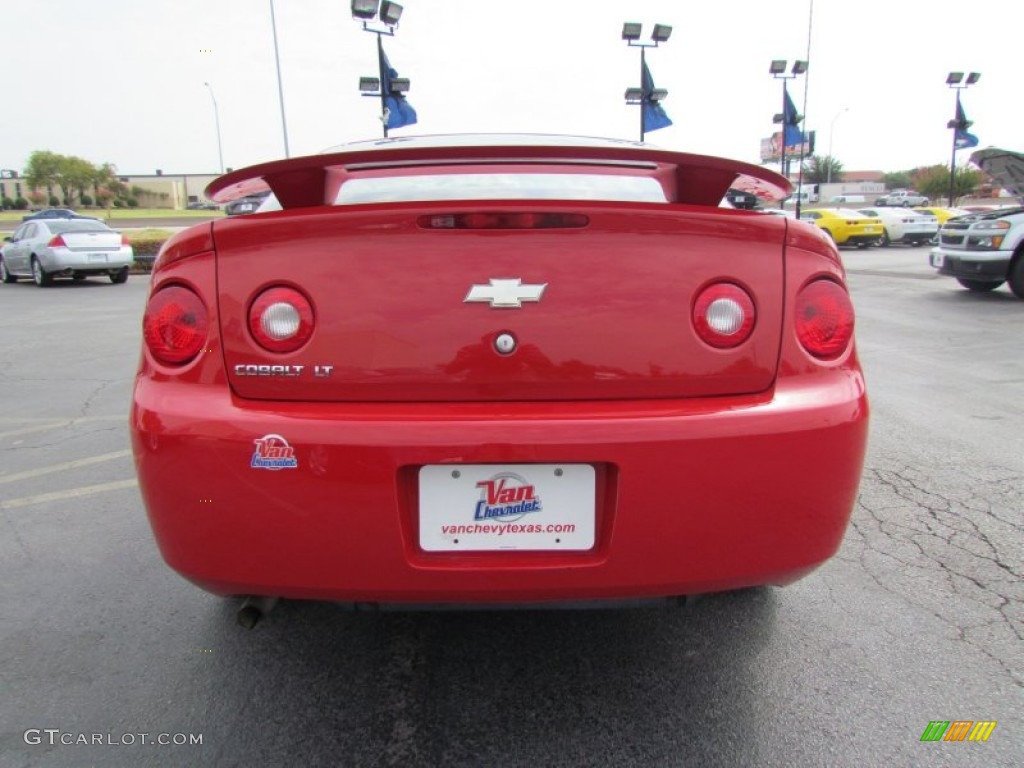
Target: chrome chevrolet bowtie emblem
{"x":505,"y":293}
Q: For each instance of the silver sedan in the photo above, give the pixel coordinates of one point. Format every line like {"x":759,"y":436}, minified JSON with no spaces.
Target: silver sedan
{"x":77,"y":248}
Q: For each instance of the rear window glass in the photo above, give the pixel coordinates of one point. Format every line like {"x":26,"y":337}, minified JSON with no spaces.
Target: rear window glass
{"x":500,"y":186}
{"x":77,"y":225}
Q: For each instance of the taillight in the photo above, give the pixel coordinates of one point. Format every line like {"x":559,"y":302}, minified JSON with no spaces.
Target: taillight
{"x":281,"y":319}
{"x":724,"y":315}
{"x":175,"y":325}
{"x":125,"y":240}
{"x":824,"y":319}
{"x":57,"y":241}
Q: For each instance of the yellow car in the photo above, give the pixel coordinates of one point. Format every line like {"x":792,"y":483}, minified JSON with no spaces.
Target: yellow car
{"x":846,"y":226}
{"x":944,"y":214}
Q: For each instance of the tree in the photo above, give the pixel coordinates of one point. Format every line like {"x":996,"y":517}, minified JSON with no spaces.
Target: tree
{"x":43,"y":170}
{"x":48,"y":169}
{"x":897,"y":180}
{"x":107,"y":186}
{"x":933,"y":181}
{"x":822,"y":169}
{"x":77,"y":176}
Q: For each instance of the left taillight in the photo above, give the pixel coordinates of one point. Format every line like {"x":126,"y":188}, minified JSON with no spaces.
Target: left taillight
{"x":57,"y":241}
{"x":175,"y":325}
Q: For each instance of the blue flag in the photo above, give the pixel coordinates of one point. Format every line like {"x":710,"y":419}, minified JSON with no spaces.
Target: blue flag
{"x":963,"y":139}
{"x":400,"y":111}
{"x":654,"y":116}
{"x":791,"y":122}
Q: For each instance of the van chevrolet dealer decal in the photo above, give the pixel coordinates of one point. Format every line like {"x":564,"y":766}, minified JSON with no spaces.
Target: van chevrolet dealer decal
{"x":507,"y":497}
{"x":274,"y":453}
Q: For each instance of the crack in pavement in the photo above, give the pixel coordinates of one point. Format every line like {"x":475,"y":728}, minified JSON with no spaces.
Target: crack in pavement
{"x":87,"y":402}
{"x":957,"y":548}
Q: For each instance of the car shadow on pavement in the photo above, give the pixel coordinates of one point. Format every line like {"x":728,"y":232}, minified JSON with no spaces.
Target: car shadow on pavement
{"x":622,"y":686}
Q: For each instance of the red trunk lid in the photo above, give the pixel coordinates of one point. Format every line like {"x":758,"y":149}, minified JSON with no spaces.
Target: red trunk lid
{"x":392,"y":324}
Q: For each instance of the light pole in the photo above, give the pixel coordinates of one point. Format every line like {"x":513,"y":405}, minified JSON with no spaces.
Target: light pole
{"x":831,"y":133}
{"x":955,"y":80}
{"x":280,"y":88}
{"x":387,"y":14}
{"x":788,"y":116}
{"x":216,"y":121}
{"x":646,"y":95}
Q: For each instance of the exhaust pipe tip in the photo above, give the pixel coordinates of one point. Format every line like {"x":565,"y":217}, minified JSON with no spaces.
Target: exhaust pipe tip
{"x":254,"y":609}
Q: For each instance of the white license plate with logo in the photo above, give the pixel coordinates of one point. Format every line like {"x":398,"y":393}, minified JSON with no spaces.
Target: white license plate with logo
{"x":492,"y":507}
{"x":98,"y":257}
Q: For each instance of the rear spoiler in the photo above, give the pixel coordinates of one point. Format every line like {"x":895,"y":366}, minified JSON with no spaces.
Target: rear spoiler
{"x":314,"y":180}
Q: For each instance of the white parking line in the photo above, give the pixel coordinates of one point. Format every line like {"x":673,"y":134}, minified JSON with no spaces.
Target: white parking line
{"x":71,"y":493}
{"x":54,"y":424}
{"x":61,"y":467}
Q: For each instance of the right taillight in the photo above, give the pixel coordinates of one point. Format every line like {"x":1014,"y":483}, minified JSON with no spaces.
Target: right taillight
{"x":175,"y":325}
{"x":824,"y":319}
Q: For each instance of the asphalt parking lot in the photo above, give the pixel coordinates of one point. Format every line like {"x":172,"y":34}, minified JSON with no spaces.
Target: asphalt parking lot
{"x":919,"y":618}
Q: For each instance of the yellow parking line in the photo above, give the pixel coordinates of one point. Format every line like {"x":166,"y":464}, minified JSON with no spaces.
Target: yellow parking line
{"x":61,"y":467}
{"x":72,"y":493}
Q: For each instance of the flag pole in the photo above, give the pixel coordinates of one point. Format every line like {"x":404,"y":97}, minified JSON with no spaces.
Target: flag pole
{"x":384,"y":78}
{"x":643,"y":69}
{"x":952,"y":160}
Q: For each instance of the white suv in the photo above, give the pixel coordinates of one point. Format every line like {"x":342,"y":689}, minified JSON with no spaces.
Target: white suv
{"x":902,"y":197}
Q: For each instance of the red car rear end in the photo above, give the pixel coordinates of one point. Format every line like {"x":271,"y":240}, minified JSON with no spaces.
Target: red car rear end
{"x":430,"y":397}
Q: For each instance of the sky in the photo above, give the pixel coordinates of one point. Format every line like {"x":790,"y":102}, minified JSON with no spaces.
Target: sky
{"x":122,"y":81}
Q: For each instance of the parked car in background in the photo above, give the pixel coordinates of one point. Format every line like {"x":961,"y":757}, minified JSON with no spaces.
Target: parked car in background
{"x":846,"y":226}
{"x":900,"y":226}
{"x":905,"y":198}
{"x":984,"y":250}
{"x":75,"y":248}
{"x":504,"y":370}
{"x":201,"y":206}
{"x":742,"y":200}
{"x":941,"y":214}
{"x":56,"y":213}
{"x":247,"y":204}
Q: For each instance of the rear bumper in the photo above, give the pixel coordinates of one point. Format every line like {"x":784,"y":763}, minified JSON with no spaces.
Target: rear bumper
{"x":921,"y":235}
{"x":691,"y":496}
{"x":862,"y":239}
{"x":61,"y":259}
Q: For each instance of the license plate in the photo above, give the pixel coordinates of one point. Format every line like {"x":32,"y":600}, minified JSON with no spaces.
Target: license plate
{"x":97,"y":257}
{"x":491,"y":507}
{"x":937,"y":259}
{"x":871,"y":230}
